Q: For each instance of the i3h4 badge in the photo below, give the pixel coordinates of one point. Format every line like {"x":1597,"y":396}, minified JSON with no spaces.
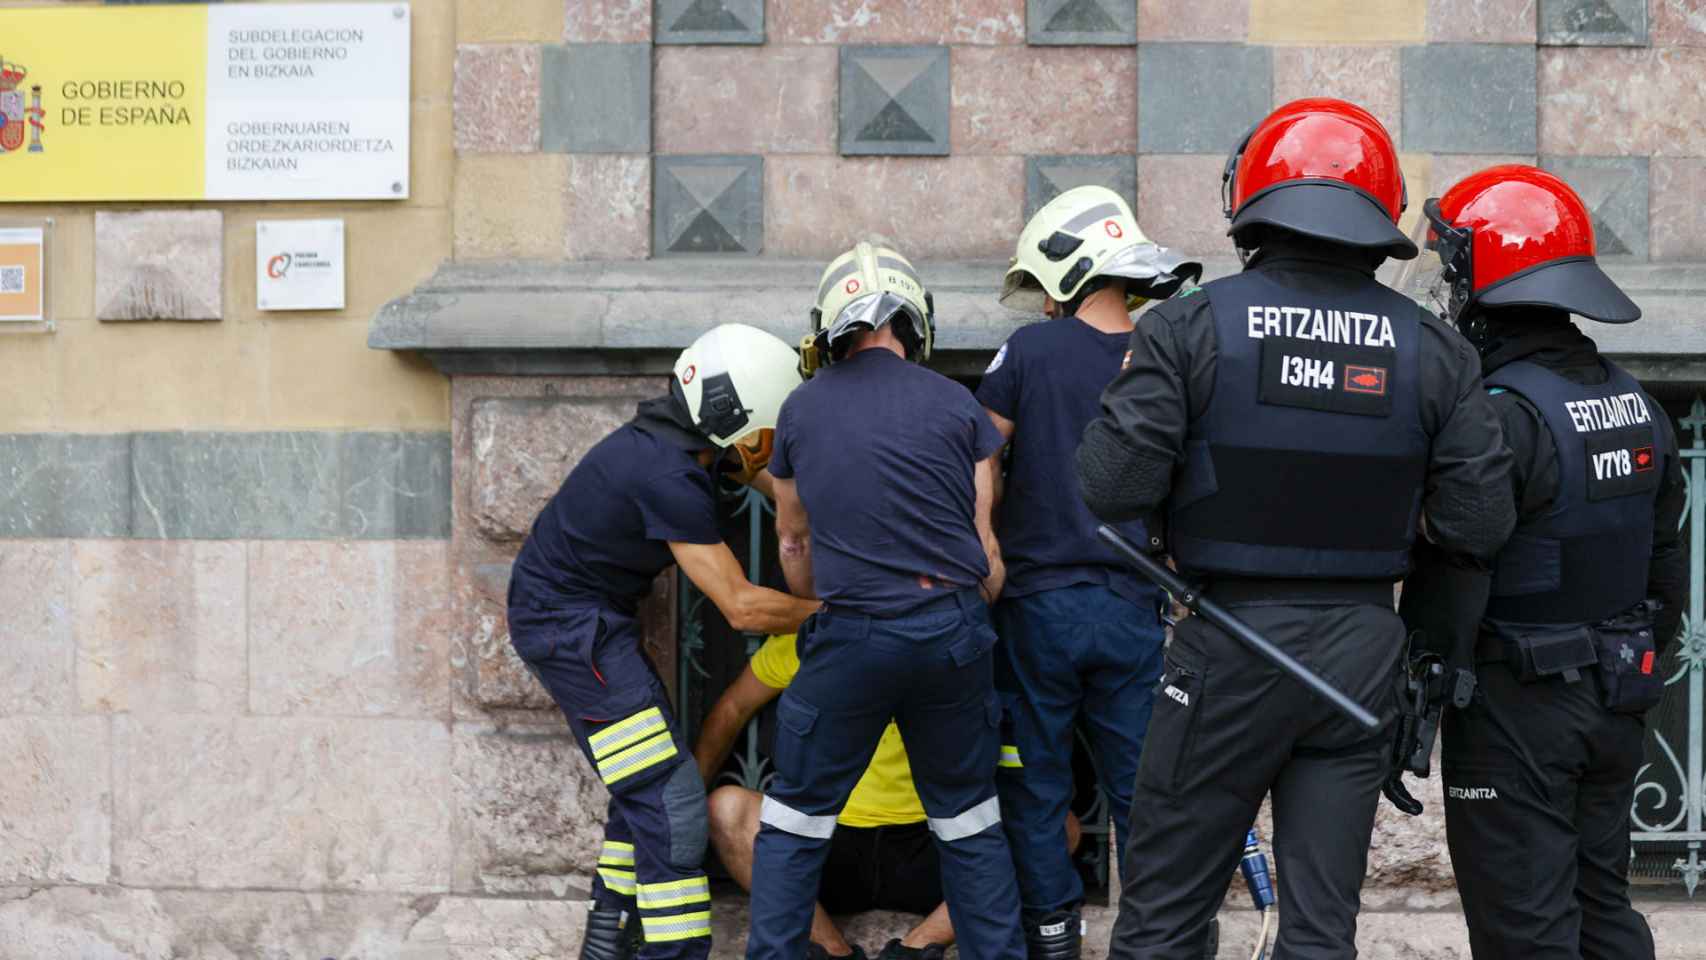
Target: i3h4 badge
{"x":299,"y":265}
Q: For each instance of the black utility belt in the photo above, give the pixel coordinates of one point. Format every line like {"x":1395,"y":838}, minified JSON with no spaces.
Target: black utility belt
{"x":1622,"y":649}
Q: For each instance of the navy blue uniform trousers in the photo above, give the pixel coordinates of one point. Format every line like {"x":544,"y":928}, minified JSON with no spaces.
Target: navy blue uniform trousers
{"x":932,"y":672}
{"x":1077,"y":655}
{"x":589,"y":659}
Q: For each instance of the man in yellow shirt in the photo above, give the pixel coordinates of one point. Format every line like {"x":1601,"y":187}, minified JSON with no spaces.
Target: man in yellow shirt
{"x":882,"y":856}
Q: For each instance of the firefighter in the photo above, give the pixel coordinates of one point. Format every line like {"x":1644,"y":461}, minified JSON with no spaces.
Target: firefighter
{"x":884,"y":474}
{"x":1540,"y":768}
{"x":1298,"y":423}
{"x":640,"y":500}
{"x":1081,"y":633}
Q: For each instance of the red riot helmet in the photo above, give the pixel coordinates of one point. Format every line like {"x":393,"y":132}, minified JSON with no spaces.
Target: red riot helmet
{"x":1515,"y":235}
{"x":1323,"y":168}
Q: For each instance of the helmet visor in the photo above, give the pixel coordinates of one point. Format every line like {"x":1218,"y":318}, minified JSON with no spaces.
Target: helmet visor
{"x":871,"y":312}
{"x":1576,"y":284}
{"x":1022,"y":292}
{"x":1329,"y":210}
{"x":1428,"y":278}
{"x":1155,"y":272}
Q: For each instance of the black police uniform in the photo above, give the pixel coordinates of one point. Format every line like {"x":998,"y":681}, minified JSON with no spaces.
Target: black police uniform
{"x":590,"y":558}
{"x":884,"y":452}
{"x":1299,"y":420}
{"x":1540,"y":775}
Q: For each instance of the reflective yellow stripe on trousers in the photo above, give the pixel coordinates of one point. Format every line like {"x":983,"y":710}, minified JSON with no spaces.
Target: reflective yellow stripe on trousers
{"x":643,"y":755}
{"x":675,"y":893}
{"x":678,"y":926}
{"x":624,"y":732}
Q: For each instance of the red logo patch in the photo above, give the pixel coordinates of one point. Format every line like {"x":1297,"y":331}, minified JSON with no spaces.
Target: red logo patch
{"x":1643,"y":459}
{"x":1365,"y":380}
{"x":852,"y":286}
{"x":1113,"y":228}
{"x":688,"y":374}
{"x":1647,"y":662}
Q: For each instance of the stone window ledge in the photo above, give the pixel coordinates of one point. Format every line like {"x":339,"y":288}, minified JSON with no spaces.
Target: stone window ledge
{"x":633,"y":316}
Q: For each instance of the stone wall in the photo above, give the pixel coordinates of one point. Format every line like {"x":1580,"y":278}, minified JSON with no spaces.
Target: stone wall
{"x":942,"y":123}
{"x":225,"y":665}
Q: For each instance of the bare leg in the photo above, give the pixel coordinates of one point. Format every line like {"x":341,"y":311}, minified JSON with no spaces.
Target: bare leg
{"x":937,"y":928}
{"x":734,"y":828}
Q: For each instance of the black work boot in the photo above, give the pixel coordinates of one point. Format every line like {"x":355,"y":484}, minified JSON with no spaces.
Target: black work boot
{"x":610,"y":935}
{"x":1057,"y":936}
{"x":815,"y":952}
{"x":895,"y":950}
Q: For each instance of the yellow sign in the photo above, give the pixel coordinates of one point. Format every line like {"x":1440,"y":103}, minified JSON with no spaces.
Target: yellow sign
{"x":226,"y":102}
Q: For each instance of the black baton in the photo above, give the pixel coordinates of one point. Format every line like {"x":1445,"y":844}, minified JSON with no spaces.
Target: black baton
{"x":1216,"y":614}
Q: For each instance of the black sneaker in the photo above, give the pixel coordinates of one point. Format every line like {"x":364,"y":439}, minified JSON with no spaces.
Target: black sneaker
{"x":895,"y":950}
{"x":815,"y":952}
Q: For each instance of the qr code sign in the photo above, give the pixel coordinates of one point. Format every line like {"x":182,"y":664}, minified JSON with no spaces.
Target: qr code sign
{"x":12,"y":279}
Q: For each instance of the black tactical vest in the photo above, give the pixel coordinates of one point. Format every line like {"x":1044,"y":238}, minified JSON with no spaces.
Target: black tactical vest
{"x":1585,"y":559}
{"x":1309,"y":460}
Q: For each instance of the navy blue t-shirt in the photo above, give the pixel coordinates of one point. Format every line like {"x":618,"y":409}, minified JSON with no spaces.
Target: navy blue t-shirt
{"x":1048,"y":379}
{"x":605,"y":535}
{"x":884,"y":452}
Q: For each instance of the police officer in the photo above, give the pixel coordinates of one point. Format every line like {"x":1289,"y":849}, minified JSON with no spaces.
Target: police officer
{"x":1080,"y":632}
{"x":642,"y":499}
{"x":1300,"y":422}
{"x":1540,"y":768}
{"x":884,"y":474}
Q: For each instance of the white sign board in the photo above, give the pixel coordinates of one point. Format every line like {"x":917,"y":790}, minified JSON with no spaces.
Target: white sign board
{"x":308,"y":101}
{"x":299,"y":265}
{"x":223,"y":101}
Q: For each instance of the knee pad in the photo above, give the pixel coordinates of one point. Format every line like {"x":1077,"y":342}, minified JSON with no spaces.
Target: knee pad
{"x":684,"y":803}
{"x":610,"y":935}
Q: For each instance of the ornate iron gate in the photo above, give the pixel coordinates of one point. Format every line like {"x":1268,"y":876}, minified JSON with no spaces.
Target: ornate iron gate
{"x":1670,"y":790}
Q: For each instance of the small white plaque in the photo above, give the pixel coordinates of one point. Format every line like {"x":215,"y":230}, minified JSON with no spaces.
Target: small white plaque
{"x":299,"y":265}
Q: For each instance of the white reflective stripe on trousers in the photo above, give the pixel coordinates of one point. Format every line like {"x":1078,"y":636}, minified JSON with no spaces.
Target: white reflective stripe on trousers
{"x":786,"y":818}
{"x":970,"y":823}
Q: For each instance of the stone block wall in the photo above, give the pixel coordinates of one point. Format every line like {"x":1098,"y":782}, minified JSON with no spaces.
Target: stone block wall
{"x":942,"y":124}
{"x":225,"y":665}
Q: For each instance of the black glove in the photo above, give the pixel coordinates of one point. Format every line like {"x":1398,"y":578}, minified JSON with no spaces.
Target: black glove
{"x":1444,"y":598}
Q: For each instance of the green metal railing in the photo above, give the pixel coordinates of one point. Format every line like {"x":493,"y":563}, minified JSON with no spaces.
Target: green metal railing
{"x":1670,"y":789}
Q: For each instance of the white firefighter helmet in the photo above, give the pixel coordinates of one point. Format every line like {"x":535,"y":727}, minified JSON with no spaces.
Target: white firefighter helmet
{"x":734,"y":379}
{"x":1084,"y":233}
{"x":864,"y":288}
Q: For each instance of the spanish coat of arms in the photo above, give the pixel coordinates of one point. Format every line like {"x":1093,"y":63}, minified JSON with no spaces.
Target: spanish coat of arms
{"x":15,"y":118}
